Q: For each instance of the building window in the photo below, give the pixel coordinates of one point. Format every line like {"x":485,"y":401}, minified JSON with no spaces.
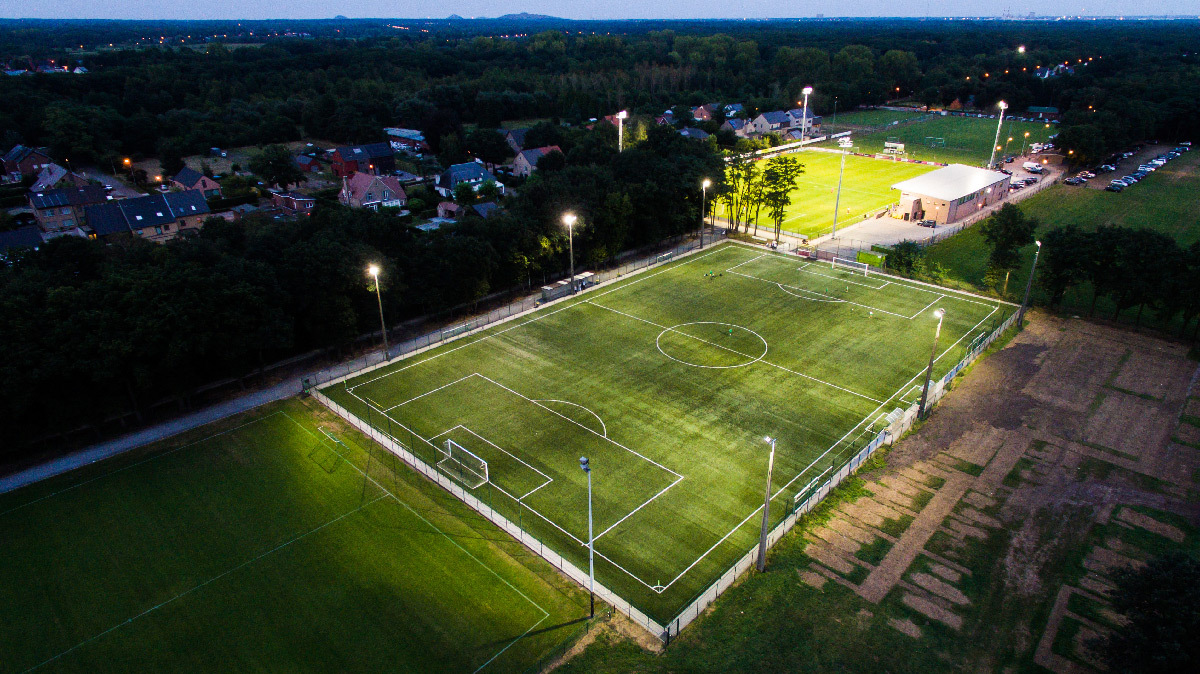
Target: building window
{"x":157,"y":230}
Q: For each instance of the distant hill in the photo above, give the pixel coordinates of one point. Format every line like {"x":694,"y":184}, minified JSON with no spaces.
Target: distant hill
{"x":526,"y":16}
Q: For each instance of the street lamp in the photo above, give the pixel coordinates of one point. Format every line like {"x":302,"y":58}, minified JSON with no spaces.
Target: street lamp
{"x":921,"y":411}
{"x":1023,"y":143}
{"x":373,"y":270}
{"x":587,"y":468}
{"x":569,"y":221}
{"x":1003,"y":106}
{"x":704,"y":185}
{"x":804,"y":120}
{"x":1029,"y":285}
{"x":621,"y":117}
{"x":762,"y":537}
{"x":1010,"y":139}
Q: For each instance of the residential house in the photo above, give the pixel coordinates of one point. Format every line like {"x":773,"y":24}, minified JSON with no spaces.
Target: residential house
{"x":375,"y":158}
{"x":740,"y":127}
{"x":516,"y":139}
{"x":363,"y":190}
{"x":809,"y":125}
{"x":775,"y":121}
{"x":308,"y":164}
{"x":189,"y":179}
{"x":23,"y":238}
{"x":293,"y":203}
{"x":486,"y":209}
{"x":526,"y":162}
{"x":407,"y":178}
{"x":734,"y":110}
{"x":22,"y":161}
{"x":56,"y":176}
{"x":472,"y":173}
{"x":448,"y":210}
{"x":1047,"y":113}
{"x":704,"y":113}
{"x":61,"y":211}
{"x":242,"y":210}
{"x":155,"y":217}
{"x":666,"y":118}
{"x":693,"y":132}
{"x":407,"y":140}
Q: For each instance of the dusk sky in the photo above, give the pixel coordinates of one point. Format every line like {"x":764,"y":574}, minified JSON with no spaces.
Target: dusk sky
{"x":578,"y":9}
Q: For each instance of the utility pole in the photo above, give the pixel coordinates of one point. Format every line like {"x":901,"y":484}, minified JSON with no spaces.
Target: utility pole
{"x":762,"y":537}
{"x":1029,"y":285}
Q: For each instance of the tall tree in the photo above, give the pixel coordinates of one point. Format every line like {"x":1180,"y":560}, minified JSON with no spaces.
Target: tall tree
{"x":779,"y":179}
{"x":1006,"y":232}
{"x":276,"y":166}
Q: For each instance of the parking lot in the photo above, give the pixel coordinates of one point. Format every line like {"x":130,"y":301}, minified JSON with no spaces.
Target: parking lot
{"x":1127,"y":166}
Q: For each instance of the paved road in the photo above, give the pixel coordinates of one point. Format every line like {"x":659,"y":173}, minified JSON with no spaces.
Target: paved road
{"x":166,"y":429}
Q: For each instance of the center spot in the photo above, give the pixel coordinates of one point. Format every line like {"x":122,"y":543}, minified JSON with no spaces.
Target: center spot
{"x":710,"y":344}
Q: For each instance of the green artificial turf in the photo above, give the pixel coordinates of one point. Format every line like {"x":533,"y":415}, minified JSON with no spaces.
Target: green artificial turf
{"x":262,"y":547}
{"x":866,"y":187}
{"x":968,"y":139}
{"x":668,"y":381}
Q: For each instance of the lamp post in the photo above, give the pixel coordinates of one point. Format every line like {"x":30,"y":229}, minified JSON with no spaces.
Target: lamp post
{"x":804,"y":120}
{"x":621,"y":117}
{"x":1010,"y":139}
{"x":996,"y":144}
{"x":1028,"y":285}
{"x":837,"y":202}
{"x":569,"y":221}
{"x":762,"y":537}
{"x":940,"y":313}
{"x":704,"y":185}
{"x":1026,"y":140}
{"x":373,"y":270}
{"x":587,"y":468}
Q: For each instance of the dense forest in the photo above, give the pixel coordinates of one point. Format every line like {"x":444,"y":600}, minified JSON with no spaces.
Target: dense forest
{"x":95,"y":331}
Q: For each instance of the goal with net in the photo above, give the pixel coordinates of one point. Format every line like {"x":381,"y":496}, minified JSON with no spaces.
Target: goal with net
{"x":851,"y":266}
{"x":462,"y":465}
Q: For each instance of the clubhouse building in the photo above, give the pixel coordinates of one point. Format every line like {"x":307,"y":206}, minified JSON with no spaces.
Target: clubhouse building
{"x":949,"y":194}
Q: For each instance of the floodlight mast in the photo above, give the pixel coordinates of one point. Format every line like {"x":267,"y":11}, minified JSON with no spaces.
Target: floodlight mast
{"x":996,"y":143}
{"x":373,"y":270}
{"x":1029,"y":285}
{"x":921,"y":410}
{"x":621,"y":117}
{"x":587,"y":468}
{"x":704,"y":185}
{"x":569,"y":221}
{"x":804,"y":120}
{"x":762,"y":537}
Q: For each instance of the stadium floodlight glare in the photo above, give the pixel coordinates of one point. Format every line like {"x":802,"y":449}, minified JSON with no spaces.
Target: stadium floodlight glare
{"x":1028,"y":285}
{"x":373,"y":270}
{"x":569,"y":221}
{"x":762,"y":537}
{"x":921,"y":411}
{"x":621,"y":117}
{"x":996,"y":143}
{"x":704,"y":185}
{"x":804,"y":120}
{"x":587,"y":468}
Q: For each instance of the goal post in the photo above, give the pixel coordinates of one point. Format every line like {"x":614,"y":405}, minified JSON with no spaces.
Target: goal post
{"x":851,"y":266}
{"x":462,"y":465}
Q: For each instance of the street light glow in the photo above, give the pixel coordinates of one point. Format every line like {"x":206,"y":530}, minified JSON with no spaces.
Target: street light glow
{"x":806,"y":90}
{"x":569,"y":219}
{"x":706,"y":183}
{"x":939,"y":313}
{"x":373,"y":270}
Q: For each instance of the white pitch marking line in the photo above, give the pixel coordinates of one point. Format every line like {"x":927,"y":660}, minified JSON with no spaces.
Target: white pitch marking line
{"x":935,"y":301}
{"x":585,"y":409}
{"x":631,"y":512}
{"x":389,"y":409}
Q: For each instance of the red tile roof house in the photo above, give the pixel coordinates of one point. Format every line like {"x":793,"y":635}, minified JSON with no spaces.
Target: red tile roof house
{"x":293,"y":203}
{"x":363,"y":190}
{"x":526,"y":162}
{"x":189,"y":179}
{"x":704,"y":113}
{"x":374,"y":158}
{"x":308,"y":164}
{"x":56,"y":176}
{"x":449,"y":210}
{"x":24,"y":161}
{"x":61,"y":211}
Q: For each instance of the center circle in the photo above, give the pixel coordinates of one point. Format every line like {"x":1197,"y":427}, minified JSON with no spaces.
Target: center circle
{"x":711,"y":345}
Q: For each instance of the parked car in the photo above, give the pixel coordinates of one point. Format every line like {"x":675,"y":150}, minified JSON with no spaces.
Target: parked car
{"x":927,"y":223}
{"x":1113,"y":188}
{"x":1005,"y":171}
{"x":1074,"y":181}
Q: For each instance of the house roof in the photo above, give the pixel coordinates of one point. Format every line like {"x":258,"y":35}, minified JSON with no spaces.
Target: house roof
{"x":48,"y":178}
{"x":410,"y":134}
{"x":20,"y":152}
{"x":517,"y":136}
{"x":734,"y":108}
{"x":68,"y":196}
{"x":148,"y":211}
{"x":952,"y":182}
{"x":188,"y":177}
{"x":776,"y":117}
{"x":693,"y":132}
{"x":368,"y":151}
{"x":296,"y":196}
{"x":359,"y":184}
{"x":305,"y":160}
{"x":468,"y":172}
{"x":24,"y":237}
{"x":486,"y":209}
{"x":448,"y":206}
{"x":532,"y":156}
{"x":735,"y":123}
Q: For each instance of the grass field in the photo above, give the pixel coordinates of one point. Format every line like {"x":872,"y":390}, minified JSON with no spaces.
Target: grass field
{"x":868,"y":118}
{"x":668,"y":381}
{"x":1165,"y":201}
{"x":866,"y":187}
{"x":256,"y":544}
{"x":968,"y":139}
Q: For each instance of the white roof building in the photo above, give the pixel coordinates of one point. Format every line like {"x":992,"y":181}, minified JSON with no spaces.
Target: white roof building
{"x":949,"y":194}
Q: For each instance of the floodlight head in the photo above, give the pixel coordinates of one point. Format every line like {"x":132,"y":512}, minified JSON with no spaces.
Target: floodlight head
{"x":569,"y":219}
{"x":706,"y":183}
{"x":1021,"y":49}
{"x":806,"y":90}
{"x":1039,"y":244}
{"x":373,"y":270}
{"x":583,"y":463}
{"x":1002,"y":105}
{"x":624,"y":114}
{"x":768,"y":439}
{"x":939,"y":313}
